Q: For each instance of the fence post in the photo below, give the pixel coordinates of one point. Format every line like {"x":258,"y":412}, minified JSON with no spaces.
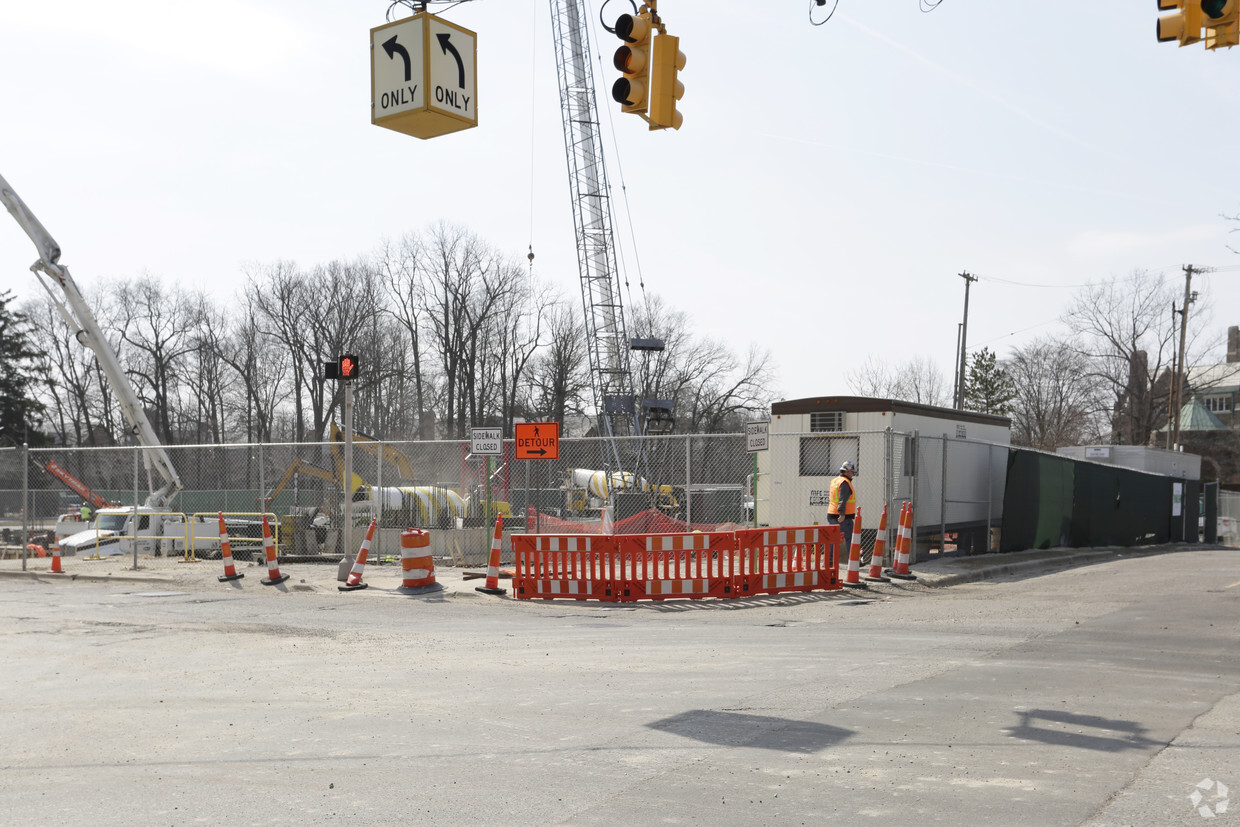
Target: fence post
{"x":134,"y":523}
{"x":990,"y":489}
{"x":25,"y":500}
{"x":262,"y":481}
{"x":688,"y":482}
{"x":888,"y":471}
{"x":376,"y":502}
{"x":943,"y":500}
{"x":917,"y":466}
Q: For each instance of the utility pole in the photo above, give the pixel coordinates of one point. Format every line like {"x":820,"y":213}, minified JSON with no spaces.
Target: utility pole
{"x":964,"y":338}
{"x":1178,"y":379}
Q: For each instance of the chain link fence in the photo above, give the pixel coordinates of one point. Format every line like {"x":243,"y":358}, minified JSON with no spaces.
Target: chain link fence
{"x":677,"y":482}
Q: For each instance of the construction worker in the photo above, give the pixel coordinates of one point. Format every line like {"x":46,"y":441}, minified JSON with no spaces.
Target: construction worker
{"x":842,"y":506}
{"x":84,"y":513}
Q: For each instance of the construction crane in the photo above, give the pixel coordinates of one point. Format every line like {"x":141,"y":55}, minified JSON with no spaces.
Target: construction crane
{"x":609,"y":346}
{"x":72,"y":307}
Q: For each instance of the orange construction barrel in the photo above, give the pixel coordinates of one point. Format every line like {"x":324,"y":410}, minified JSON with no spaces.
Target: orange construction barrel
{"x":416,"y":563}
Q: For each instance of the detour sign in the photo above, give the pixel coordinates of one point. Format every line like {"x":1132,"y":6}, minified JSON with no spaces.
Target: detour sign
{"x":537,"y":440}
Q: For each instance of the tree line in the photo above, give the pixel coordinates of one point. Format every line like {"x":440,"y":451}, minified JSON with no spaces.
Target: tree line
{"x":1106,"y":380}
{"x":450,"y":334}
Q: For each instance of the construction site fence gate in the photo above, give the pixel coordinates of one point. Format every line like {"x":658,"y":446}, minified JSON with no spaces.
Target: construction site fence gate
{"x":723,"y":564}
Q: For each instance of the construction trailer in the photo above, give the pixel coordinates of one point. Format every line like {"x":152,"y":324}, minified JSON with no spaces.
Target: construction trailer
{"x":904,"y":452}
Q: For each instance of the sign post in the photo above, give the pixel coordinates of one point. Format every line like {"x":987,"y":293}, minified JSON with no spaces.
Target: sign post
{"x":757,"y":438}
{"x":486,"y":443}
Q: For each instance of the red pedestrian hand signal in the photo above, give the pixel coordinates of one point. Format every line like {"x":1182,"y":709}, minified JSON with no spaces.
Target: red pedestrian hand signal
{"x":348,"y":366}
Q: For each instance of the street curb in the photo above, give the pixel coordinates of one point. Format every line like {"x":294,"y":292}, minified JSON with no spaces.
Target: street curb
{"x":1081,"y":558}
{"x":46,"y":576}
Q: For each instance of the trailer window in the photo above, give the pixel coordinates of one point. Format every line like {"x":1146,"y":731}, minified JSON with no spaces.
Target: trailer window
{"x":823,"y":456}
{"x":825,"y":421}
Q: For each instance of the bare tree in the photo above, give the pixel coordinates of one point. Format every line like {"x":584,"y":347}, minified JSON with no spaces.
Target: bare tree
{"x":400,"y":274}
{"x":1125,"y":330}
{"x":154,"y":326}
{"x":560,"y":376}
{"x":916,"y":380}
{"x":1057,"y":403}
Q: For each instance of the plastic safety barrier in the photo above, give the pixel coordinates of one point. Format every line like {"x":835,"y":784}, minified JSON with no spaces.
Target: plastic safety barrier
{"x":789,"y":559}
{"x":660,"y":566}
{"x":722,"y":564}
{"x":578,"y":566}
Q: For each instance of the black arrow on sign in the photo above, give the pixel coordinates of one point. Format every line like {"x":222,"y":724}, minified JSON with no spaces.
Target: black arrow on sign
{"x":445,"y":43}
{"x":540,"y":451}
{"x":392,"y":47}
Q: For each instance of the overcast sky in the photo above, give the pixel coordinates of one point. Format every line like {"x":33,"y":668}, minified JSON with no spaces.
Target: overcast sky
{"x":828,"y":185}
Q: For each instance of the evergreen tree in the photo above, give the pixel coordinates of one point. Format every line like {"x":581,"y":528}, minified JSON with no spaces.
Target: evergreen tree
{"x":988,"y":388}
{"x":20,"y":375}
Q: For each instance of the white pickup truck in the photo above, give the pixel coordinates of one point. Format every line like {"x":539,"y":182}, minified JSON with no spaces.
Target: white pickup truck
{"x":112,"y":533}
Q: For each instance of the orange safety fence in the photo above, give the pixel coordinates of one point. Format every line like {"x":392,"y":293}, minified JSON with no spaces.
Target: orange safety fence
{"x":629,"y":567}
{"x":797,"y":559}
{"x":659,"y":566}
{"x":579,"y":566}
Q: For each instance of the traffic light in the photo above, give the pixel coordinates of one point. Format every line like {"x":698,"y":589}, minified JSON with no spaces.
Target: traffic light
{"x":633,"y":59}
{"x":666,"y":61}
{"x":1185,"y":25}
{"x":1222,"y":21}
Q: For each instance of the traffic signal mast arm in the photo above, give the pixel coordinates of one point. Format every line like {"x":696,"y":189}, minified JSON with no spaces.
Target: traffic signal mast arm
{"x":76,"y":314}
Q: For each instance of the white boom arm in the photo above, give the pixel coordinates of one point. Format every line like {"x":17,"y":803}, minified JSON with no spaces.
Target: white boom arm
{"x":74,"y":310}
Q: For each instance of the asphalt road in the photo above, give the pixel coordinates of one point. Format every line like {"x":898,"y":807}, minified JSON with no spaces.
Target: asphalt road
{"x":1098,"y":695}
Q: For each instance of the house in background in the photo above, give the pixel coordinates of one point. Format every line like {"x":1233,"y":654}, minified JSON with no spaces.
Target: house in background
{"x":1209,"y":419}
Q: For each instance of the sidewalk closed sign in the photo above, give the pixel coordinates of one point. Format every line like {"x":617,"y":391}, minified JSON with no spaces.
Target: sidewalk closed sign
{"x":536,"y":440}
{"x":756,"y":436}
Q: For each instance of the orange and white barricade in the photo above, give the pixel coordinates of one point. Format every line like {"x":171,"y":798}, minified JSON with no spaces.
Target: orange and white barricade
{"x":577,"y":566}
{"x":354,"y":581}
{"x":492,"y":585}
{"x":230,"y":568}
{"x":274,"y":577}
{"x":772,"y":560}
{"x":662,"y":566}
{"x":853,"y":578}
{"x":416,"y":563}
{"x":880,"y":546}
{"x":904,"y":544}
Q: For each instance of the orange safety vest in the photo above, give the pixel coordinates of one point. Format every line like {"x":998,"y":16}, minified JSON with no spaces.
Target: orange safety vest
{"x":833,"y":505}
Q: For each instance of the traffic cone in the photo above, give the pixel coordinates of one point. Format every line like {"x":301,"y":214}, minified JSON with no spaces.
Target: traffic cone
{"x":273,"y":567}
{"x":230,"y":570}
{"x":903,"y":546}
{"x":880,"y":546}
{"x":355,"y":576}
{"x":416,"y":563}
{"x":492,"y":585}
{"x":56,"y":569}
{"x":853,"y":578}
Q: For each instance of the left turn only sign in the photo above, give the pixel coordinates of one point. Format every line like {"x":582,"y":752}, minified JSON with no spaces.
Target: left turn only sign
{"x":423,"y":76}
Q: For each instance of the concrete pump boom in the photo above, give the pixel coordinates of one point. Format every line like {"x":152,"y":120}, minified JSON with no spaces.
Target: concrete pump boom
{"x":76,"y":314}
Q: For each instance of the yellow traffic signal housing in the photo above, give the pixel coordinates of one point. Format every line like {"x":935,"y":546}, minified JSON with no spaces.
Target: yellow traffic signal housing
{"x":633,"y":59}
{"x":1185,"y":25}
{"x":1222,"y":22}
{"x":666,"y":61}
